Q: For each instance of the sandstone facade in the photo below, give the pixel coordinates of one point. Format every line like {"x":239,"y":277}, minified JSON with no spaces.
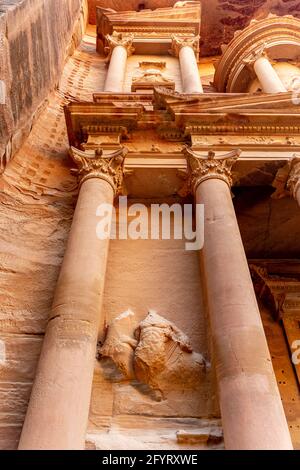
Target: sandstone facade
{"x":137,"y":400}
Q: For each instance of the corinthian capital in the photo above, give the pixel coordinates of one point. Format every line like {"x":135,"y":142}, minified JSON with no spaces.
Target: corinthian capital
{"x":293,"y":183}
{"x":257,"y":53}
{"x":119,"y":39}
{"x":201,"y":168}
{"x":179,"y":42}
{"x":103,"y":165}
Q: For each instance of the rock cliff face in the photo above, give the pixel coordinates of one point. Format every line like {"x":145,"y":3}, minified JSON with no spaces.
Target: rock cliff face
{"x":37,"y":200}
{"x":220,"y":18}
{"x":35,"y":38}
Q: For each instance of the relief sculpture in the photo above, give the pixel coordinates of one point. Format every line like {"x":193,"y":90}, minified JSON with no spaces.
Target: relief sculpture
{"x":155,"y":352}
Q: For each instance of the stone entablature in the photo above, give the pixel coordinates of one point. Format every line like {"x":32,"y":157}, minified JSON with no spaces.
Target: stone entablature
{"x":155,"y":26}
{"x":155,"y":127}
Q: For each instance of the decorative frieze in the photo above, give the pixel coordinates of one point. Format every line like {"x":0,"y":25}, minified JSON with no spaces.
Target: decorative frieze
{"x":106,"y":166}
{"x":210,"y":166}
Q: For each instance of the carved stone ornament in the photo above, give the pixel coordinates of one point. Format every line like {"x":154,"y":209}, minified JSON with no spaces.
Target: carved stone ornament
{"x":178,"y":42}
{"x":106,"y":166}
{"x":260,"y":51}
{"x":201,"y":168}
{"x":119,"y":39}
{"x":155,"y":352}
{"x":150,"y":79}
{"x":293,"y":183}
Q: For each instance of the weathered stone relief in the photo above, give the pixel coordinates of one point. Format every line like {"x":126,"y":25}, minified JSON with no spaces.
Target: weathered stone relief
{"x":151,"y":75}
{"x":120,"y":344}
{"x":155,"y":352}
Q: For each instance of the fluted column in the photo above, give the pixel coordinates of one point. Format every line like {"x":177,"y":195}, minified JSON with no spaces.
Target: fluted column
{"x":120,"y":47}
{"x":187,"y":50}
{"x":58,"y":410}
{"x":293,"y":183}
{"x":266,"y":74}
{"x":251,"y":409}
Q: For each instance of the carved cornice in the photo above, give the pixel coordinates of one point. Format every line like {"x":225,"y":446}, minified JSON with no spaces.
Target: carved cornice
{"x":105,"y":166}
{"x":201,"y":168}
{"x":119,"y":39}
{"x":153,"y":31}
{"x":178,"y":42}
{"x":244,"y":129}
{"x":293,"y":183}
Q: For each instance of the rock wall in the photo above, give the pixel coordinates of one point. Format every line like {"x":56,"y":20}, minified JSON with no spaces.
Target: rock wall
{"x":285,"y":375}
{"x":36,"y":36}
{"x":37,"y":200}
{"x":128,"y":5}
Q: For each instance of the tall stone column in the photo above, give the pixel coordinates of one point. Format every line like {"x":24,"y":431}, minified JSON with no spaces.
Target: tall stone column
{"x":251,"y":409}
{"x":187,"y":51}
{"x":266,"y":74}
{"x":293,"y":183}
{"x":120,"y":48}
{"x":58,"y":409}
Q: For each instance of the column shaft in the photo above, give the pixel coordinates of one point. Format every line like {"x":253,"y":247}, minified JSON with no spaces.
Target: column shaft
{"x":267,"y":76}
{"x":251,"y":408}
{"x":191,"y":81}
{"x":116,"y":71}
{"x":59,"y":405}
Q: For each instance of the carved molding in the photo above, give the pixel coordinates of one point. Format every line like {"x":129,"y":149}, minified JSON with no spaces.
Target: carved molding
{"x":201,"y":168}
{"x":243,"y":129}
{"x":107,"y":137}
{"x":293,"y":183}
{"x":119,"y":39}
{"x":179,"y":42}
{"x":153,"y":31}
{"x":106,"y":166}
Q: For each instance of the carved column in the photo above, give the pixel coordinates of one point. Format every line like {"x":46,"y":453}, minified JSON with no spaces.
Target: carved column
{"x":251,"y":409}
{"x":59,"y":404}
{"x":120,"y":47}
{"x":266,"y":74}
{"x":293,"y":183}
{"x":187,"y":50}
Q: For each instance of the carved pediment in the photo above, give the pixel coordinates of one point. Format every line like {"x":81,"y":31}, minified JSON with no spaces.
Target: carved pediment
{"x":182,"y":19}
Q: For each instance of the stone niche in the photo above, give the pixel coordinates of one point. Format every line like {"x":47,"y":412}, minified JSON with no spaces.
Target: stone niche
{"x":153,"y":382}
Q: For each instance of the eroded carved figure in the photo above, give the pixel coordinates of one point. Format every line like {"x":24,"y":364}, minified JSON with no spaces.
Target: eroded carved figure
{"x":156,"y":353}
